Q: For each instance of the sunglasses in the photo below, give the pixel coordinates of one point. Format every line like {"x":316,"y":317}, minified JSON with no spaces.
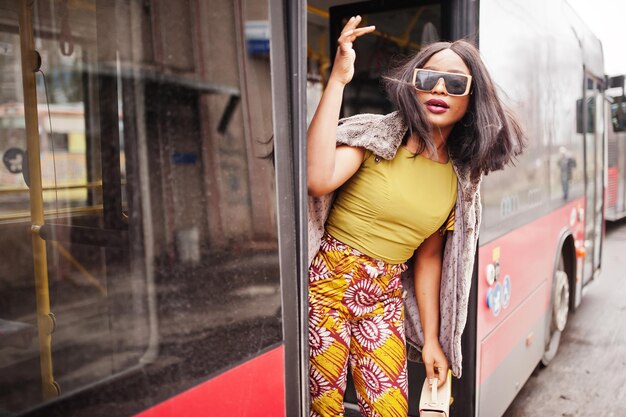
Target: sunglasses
{"x":455,"y":84}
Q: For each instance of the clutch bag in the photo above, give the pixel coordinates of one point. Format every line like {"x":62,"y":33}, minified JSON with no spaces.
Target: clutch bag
{"x":434,"y":401}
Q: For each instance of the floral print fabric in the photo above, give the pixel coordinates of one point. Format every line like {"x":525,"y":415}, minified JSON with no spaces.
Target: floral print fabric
{"x":356,"y":317}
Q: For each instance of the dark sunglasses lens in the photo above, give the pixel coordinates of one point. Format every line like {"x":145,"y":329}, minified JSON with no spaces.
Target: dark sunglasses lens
{"x":455,"y":84}
{"x":426,"y":80}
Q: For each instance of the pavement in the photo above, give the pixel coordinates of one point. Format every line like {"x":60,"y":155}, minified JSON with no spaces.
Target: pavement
{"x":587,"y":378}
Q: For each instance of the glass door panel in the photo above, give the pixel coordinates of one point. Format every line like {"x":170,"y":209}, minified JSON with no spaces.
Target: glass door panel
{"x":154,"y":134}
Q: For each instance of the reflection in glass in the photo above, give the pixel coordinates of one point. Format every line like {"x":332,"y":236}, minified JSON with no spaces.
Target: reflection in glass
{"x":551,"y":170}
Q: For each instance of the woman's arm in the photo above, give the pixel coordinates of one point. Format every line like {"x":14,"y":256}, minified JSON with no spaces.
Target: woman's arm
{"x":428,"y":260}
{"x":329,"y":166}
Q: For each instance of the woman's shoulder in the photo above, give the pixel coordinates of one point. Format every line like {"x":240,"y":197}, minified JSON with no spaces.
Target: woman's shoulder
{"x":368,"y":119}
{"x":381,"y":134}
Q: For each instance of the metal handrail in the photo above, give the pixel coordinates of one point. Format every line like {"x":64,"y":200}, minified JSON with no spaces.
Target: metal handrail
{"x":16,"y":190}
{"x":25,"y":215}
{"x":45,"y":319}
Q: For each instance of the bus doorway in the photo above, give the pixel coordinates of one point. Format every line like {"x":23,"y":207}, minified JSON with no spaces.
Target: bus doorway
{"x":594,"y":173}
{"x":402,"y":29}
{"x":616,"y":152}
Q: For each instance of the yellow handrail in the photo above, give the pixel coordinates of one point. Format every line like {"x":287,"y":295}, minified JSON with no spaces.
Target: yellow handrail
{"x":45,"y":320}
{"x":25,"y":215}
{"x":85,"y":273}
{"x":16,"y":190}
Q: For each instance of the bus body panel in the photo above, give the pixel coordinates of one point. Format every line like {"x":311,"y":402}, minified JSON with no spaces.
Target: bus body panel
{"x":510,"y":353}
{"x":548,"y":66}
{"x":527,"y":255}
{"x":512,"y":341}
{"x":253,"y":389}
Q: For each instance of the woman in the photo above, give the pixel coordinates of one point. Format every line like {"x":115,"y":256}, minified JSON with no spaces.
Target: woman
{"x":404,"y":177}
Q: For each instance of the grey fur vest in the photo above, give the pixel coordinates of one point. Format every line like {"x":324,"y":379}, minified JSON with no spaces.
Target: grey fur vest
{"x":383,"y":135}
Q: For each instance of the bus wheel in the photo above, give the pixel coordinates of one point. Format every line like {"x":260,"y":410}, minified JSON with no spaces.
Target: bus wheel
{"x":559,"y":312}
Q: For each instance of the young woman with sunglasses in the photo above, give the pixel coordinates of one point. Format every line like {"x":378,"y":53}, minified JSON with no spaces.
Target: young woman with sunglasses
{"x":403,"y":181}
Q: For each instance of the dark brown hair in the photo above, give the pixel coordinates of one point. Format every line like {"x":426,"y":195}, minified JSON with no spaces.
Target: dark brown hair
{"x":489,"y":135}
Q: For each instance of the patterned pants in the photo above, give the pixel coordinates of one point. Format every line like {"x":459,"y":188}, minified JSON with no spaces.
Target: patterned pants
{"x":356,"y":314}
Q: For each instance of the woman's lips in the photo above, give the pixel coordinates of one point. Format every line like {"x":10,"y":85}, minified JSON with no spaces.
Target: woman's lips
{"x":436,"y":106}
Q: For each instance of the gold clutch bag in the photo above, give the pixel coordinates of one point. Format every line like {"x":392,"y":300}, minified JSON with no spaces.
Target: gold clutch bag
{"x":435,"y":402}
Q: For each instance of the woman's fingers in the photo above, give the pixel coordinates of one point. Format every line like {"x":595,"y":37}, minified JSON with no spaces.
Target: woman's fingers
{"x":351,"y":27}
{"x":362,"y":31}
{"x":346,"y":39}
{"x":435,"y":363}
{"x":343,"y":68}
{"x":440,"y":369}
{"x":352,"y":23}
{"x":442,"y":374}
{"x":352,"y":34}
{"x":430,"y":371}
{"x":438,"y":372}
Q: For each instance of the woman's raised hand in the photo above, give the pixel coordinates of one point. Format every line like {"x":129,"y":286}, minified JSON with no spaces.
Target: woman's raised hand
{"x":343,"y":68}
{"x":329,"y":166}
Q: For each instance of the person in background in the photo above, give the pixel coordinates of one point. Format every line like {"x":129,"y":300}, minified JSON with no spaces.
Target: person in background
{"x":566,"y":165}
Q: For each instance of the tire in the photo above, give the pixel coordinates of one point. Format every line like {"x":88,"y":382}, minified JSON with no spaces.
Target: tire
{"x":559,"y":311}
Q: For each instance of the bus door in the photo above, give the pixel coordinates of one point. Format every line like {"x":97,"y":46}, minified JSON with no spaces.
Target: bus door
{"x":616,"y":153}
{"x":148,"y":209}
{"x":402,"y":28}
{"x":593,"y":120}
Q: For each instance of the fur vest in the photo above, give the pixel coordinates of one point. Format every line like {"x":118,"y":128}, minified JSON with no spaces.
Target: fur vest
{"x":383,"y":135}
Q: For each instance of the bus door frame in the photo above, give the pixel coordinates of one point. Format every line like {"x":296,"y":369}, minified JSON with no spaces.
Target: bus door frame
{"x":460,"y":20}
{"x":288,"y":46}
{"x":594,"y":208}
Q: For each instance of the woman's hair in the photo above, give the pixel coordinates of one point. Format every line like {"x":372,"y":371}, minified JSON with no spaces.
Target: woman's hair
{"x":486,"y":139}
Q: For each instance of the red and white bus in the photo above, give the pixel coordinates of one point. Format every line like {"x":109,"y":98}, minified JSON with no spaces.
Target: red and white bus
{"x":174,"y":283}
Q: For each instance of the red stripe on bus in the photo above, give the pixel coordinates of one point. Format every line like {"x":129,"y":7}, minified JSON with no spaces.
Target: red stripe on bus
{"x":253,"y":389}
{"x":527,"y":255}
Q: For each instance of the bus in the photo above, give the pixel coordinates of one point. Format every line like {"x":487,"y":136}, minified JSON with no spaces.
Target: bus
{"x":616,"y":149}
{"x":153,"y":198}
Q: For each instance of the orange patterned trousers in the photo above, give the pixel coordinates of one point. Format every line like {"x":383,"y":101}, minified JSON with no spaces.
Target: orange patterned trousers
{"x":356,"y":317}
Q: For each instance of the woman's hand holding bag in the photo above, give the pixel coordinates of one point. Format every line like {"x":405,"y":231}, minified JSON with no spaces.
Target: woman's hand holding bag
{"x":435,"y":401}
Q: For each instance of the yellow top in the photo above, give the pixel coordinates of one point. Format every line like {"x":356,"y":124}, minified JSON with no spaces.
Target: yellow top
{"x":388,"y":208}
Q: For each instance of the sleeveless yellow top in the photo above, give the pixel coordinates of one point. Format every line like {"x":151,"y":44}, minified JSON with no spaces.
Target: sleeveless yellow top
{"x":388,"y":208}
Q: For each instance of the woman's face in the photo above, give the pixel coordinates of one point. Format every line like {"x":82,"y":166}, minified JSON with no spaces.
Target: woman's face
{"x":442,"y":109}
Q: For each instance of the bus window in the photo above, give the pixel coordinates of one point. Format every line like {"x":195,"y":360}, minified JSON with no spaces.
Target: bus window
{"x":618,"y":113}
{"x":550,"y":171}
{"x":156,"y":146}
